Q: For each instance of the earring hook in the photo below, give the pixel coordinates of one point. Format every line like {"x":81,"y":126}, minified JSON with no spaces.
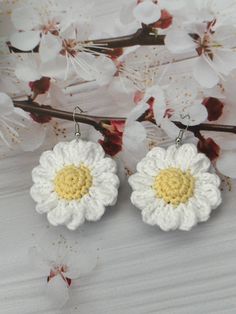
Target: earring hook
{"x":77,"y":127}
{"x":179,"y":139}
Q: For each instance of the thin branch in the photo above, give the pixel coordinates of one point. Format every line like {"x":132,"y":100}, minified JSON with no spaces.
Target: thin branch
{"x":96,"y":121}
{"x":142,"y":37}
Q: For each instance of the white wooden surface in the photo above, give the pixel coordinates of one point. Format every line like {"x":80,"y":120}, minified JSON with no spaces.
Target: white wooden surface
{"x":141,"y":270}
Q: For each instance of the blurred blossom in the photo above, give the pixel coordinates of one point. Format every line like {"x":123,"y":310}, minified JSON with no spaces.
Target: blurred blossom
{"x":60,"y":261}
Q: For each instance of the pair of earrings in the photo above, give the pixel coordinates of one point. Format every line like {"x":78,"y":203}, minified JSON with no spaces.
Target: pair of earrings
{"x":173,"y":189}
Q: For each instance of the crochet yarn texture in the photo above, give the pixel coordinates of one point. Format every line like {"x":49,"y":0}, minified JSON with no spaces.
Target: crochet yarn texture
{"x":74,"y":182}
{"x":174,"y":189}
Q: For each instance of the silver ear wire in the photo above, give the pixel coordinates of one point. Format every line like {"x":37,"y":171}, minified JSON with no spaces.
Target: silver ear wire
{"x":77,"y":127}
{"x":179,"y":139}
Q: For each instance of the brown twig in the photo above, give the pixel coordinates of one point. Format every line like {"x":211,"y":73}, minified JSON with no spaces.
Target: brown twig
{"x":96,"y":121}
{"x":142,"y":37}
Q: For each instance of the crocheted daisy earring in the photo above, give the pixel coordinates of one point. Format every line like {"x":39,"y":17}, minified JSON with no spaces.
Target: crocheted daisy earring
{"x":173,"y":187}
{"x":74,"y":182}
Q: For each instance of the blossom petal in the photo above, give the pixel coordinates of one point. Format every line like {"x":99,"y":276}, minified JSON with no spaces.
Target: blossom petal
{"x":178,"y":41}
{"x":49,"y":48}
{"x":198,"y":114}
{"x":25,"y":41}
{"x":56,"y":68}
{"x":169,"y":127}
{"x":147,"y":12}
{"x":83,"y":261}
{"x":38,"y":260}
{"x":25,"y":18}
{"x":30,"y":143}
{"x":204,"y":73}
{"x":6,"y":104}
{"x":57,"y":291}
{"x":134,"y":135}
{"x":226,"y":163}
{"x":126,"y":11}
{"x":137,"y":112}
{"x":27,"y":71}
{"x":224,"y":61}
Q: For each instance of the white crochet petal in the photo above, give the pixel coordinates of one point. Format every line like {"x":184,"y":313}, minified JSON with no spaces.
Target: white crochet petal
{"x":61,"y":151}
{"x":205,"y":178}
{"x":150,"y":166}
{"x":188,"y":217}
{"x":40,"y":173}
{"x":184,"y":156}
{"x":48,"y":204}
{"x":105,"y":193}
{"x":106,"y":178}
{"x":51,"y":162}
{"x":199,"y":164}
{"x":139,"y":182}
{"x":104,"y":165}
{"x":94,"y":208}
{"x":211,"y":193}
{"x":157,"y":153}
{"x":201,"y":207}
{"x":151,"y":211}
{"x":41,"y":190}
{"x":61,"y":214}
{"x":168,"y":218}
{"x":170,"y":159}
{"x":77,"y":215}
{"x":88,"y":153}
{"x":143,"y":199}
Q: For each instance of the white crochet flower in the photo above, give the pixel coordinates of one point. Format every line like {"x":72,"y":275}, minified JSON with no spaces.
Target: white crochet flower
{"x":74,"y":182}
{"x":173,"y":188}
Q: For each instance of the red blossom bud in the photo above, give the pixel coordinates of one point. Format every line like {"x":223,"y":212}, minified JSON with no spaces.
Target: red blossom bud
{"x":165,"y":20}
{"x":209,"y":148}
{"x":40,"y":86}
{"x":39,"y":118}
{"x":214,"y":107}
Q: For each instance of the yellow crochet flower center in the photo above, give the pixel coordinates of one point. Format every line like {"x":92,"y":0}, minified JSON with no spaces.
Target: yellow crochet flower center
{"x":72,"y":183}
{"x":174,"y":186}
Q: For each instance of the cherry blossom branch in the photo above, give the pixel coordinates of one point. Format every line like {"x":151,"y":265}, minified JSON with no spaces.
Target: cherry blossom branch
{"x":142,"y":37}
{"x":97,"y":121}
